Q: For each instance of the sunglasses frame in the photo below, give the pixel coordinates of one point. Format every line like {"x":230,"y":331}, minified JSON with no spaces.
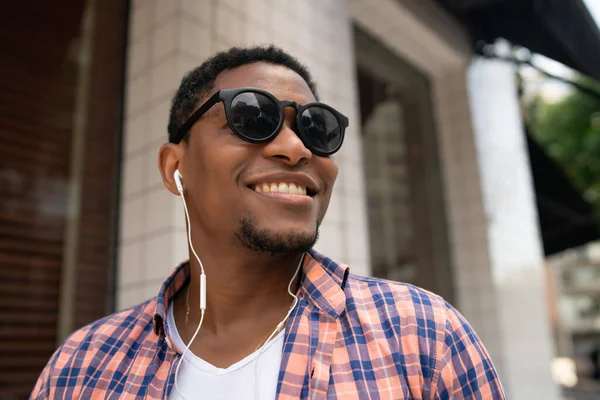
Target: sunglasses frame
{"x":226,"y":96}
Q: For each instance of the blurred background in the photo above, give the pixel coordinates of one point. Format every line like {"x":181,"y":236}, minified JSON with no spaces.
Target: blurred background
{"x":471,"y":167}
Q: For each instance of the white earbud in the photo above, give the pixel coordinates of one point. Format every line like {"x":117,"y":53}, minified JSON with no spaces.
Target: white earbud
{"x":177,"y":176}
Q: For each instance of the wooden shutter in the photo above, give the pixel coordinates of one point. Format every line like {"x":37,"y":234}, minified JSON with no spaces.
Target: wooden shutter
{"x":38,"y":94}
{"x":98,"y":227}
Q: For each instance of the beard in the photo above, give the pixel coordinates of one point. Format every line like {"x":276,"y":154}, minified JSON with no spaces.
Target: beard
{"x":261,"y":240}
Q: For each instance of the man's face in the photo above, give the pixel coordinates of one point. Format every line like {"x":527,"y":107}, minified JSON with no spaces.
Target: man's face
{"x":222,"y":172}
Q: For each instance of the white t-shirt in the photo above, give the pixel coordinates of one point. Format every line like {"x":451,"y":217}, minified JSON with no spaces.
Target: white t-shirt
{"x":199,"y":379}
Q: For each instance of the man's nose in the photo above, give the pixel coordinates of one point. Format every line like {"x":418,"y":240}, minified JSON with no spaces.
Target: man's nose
{"x":286,"y":145}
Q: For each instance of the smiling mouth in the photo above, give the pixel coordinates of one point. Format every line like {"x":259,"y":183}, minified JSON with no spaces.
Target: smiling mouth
{"x":282,"y":188}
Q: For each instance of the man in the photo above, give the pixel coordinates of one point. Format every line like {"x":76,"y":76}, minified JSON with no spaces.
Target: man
{"x":251,"y":152}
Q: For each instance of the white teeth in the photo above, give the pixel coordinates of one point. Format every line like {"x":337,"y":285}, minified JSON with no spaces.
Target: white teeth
{"x":282,"y":187}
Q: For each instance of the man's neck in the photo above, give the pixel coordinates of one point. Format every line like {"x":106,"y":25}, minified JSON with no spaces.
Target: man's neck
{"x":242,"y":285}
{"x":247,"y":296}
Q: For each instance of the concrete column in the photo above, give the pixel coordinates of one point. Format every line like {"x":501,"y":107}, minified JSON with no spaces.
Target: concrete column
{"x":512,"y":231}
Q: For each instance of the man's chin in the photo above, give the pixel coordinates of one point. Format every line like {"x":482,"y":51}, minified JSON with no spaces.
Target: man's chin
{"x":275,"y":240}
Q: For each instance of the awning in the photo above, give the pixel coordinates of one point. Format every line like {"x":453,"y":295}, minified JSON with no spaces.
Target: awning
{"x":565,"y":31}
{"x":562,"y":30}
{"x":566,"y":220}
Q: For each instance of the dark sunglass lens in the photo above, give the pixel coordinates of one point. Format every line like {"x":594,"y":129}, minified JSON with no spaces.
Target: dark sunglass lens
{"x":254,"y":115}
{"x":321,"y":129}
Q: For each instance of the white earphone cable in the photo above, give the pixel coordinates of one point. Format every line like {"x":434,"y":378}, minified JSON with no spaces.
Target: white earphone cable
{"x":202,"y":287}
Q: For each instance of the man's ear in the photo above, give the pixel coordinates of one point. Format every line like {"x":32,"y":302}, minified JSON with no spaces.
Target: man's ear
{"x":170,"y":159}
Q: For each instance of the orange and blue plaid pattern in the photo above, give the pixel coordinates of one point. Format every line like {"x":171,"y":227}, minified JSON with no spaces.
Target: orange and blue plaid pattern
{"x":350,"y":337}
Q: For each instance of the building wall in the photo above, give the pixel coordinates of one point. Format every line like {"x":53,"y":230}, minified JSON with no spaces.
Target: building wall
{"x":169,"y":38}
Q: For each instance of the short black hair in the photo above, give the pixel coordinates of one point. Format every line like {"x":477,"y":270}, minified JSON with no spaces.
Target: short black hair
{"x":200,"y":81}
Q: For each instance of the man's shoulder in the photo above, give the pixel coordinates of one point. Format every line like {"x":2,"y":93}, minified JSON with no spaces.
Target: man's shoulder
{"x":400,"y":300}
{"x":368,"y":293}
{"x":109,"y":333}
{"x":429,"y":331}
{"x":96,"y":351}
{"x":370,"y":287}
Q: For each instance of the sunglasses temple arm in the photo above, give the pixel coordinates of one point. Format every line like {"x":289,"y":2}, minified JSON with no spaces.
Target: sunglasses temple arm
{"x":197,"y":114}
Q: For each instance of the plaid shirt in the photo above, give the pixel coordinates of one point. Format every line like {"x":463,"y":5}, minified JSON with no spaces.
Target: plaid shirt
{"x":350,"y":337}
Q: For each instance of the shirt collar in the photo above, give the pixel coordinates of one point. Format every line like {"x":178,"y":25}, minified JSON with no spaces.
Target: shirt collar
{"x":174,"y":283}
{"x":322,"y":283}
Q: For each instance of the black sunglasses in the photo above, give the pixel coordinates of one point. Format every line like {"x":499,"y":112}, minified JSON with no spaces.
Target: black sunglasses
{"x":256,"y":116}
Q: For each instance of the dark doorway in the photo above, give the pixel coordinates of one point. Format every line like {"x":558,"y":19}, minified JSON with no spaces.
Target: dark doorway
{"x":407,"y":223}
